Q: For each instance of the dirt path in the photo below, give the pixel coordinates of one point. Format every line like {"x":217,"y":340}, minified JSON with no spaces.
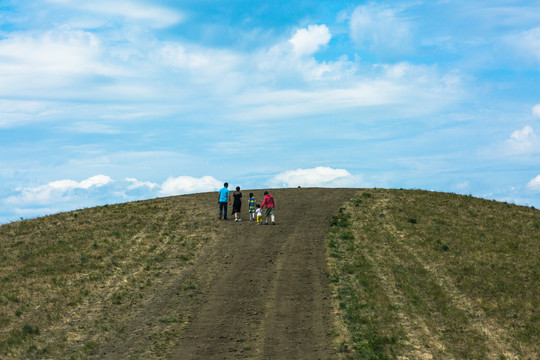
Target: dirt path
{"x":269,"y":295}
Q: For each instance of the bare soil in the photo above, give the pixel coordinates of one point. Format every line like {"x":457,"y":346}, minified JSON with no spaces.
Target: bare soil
{"x":262,"y":291}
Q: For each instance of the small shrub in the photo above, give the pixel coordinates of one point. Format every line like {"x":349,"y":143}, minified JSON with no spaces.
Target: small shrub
{"x":168,"y":320}
{"x":343,"y":347}
{"x":356,"y":202}
{"x":28,"y":329}
{"x":342,"y":219}
{"x":90,"y":347}
{"x":347,"y":236}
{"x":117,"y":299}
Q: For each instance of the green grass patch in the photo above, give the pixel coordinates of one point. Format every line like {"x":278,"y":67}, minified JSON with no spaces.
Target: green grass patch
{"x":420,"y":273}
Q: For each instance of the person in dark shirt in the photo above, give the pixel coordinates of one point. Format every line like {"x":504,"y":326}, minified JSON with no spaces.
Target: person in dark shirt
{"x":237,"y":204}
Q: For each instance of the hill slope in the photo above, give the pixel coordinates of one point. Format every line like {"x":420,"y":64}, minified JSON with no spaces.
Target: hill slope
{"x":428,"y":275}
{"x":413,"y":274}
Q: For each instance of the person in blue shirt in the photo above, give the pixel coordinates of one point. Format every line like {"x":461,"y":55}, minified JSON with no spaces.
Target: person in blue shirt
{"x":223,"y":201}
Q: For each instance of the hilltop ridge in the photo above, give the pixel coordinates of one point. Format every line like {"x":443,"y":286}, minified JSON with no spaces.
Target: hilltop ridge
{"x":345,"y":273}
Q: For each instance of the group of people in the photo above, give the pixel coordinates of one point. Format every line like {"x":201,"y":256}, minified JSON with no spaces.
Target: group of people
{"x":255,"y":210}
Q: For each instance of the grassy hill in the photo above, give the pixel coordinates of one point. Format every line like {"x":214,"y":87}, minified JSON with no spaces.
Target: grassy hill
{"x":433,"y":275}
{"x":68,"y":280}
{"x":414,"y":274}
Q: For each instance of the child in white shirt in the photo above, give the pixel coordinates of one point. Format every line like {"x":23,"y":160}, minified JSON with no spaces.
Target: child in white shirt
{"x":259,"y":214}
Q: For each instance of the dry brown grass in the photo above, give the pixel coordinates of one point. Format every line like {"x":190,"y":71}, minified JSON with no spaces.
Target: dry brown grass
{"x":68,"y":280}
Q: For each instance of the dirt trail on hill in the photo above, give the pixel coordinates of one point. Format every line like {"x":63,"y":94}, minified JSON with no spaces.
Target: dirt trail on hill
{"x":252,"y":292}
{"x":269,"y":298}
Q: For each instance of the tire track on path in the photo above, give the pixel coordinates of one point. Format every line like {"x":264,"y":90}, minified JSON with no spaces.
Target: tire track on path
{"x":270,"y":298}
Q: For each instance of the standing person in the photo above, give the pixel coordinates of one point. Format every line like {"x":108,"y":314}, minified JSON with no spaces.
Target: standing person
{"x":251,"y":204}
{"x":268,"y":202}
{"x":259,"y":214}
{"x":223,"y":201}
{"x":237,"y":204}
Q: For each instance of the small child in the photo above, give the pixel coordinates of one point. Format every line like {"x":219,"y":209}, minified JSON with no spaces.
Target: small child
{"x":251,"y":204}
{"x":259,"y":215}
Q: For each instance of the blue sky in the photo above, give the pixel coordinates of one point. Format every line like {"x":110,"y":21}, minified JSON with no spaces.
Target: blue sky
{"x":111,"y":101}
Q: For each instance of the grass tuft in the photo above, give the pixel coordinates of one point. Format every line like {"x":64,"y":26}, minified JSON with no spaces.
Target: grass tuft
{"x":29,"y":329}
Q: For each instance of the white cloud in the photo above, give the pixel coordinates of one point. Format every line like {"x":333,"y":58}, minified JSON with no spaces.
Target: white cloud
{"x":523,"y":135}
{"x":151,"y":15}
{"x":136,"y":184}
{"x":112,"y":65}
{"x":526,"y":43}
{"x":133,"y":189}
{"x":188,"y":185}
{"x":316,"y":177}
{"x":177,"y":55}
{"x":216,"y":70}
{"x":67,"y":194}
{"x":536,"y":110}
{"x":523,"y":141}
{"x":292,"y":62}
{"x":19,"y":112}
{"x":281,"y":65}
{"x":58,"y":51}
{"x":308,"y":41}
{"x":98,"y":181}
{"x":534,"y":184}
{"x":380,"y":29}
{"x":55,"y":191}
{"x":55,"y":64}
{"x":92,"y":128}
{"x":405,"y":88}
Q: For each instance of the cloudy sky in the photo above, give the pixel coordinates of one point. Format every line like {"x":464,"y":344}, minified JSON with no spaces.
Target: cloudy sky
{"x":111,"y":101}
